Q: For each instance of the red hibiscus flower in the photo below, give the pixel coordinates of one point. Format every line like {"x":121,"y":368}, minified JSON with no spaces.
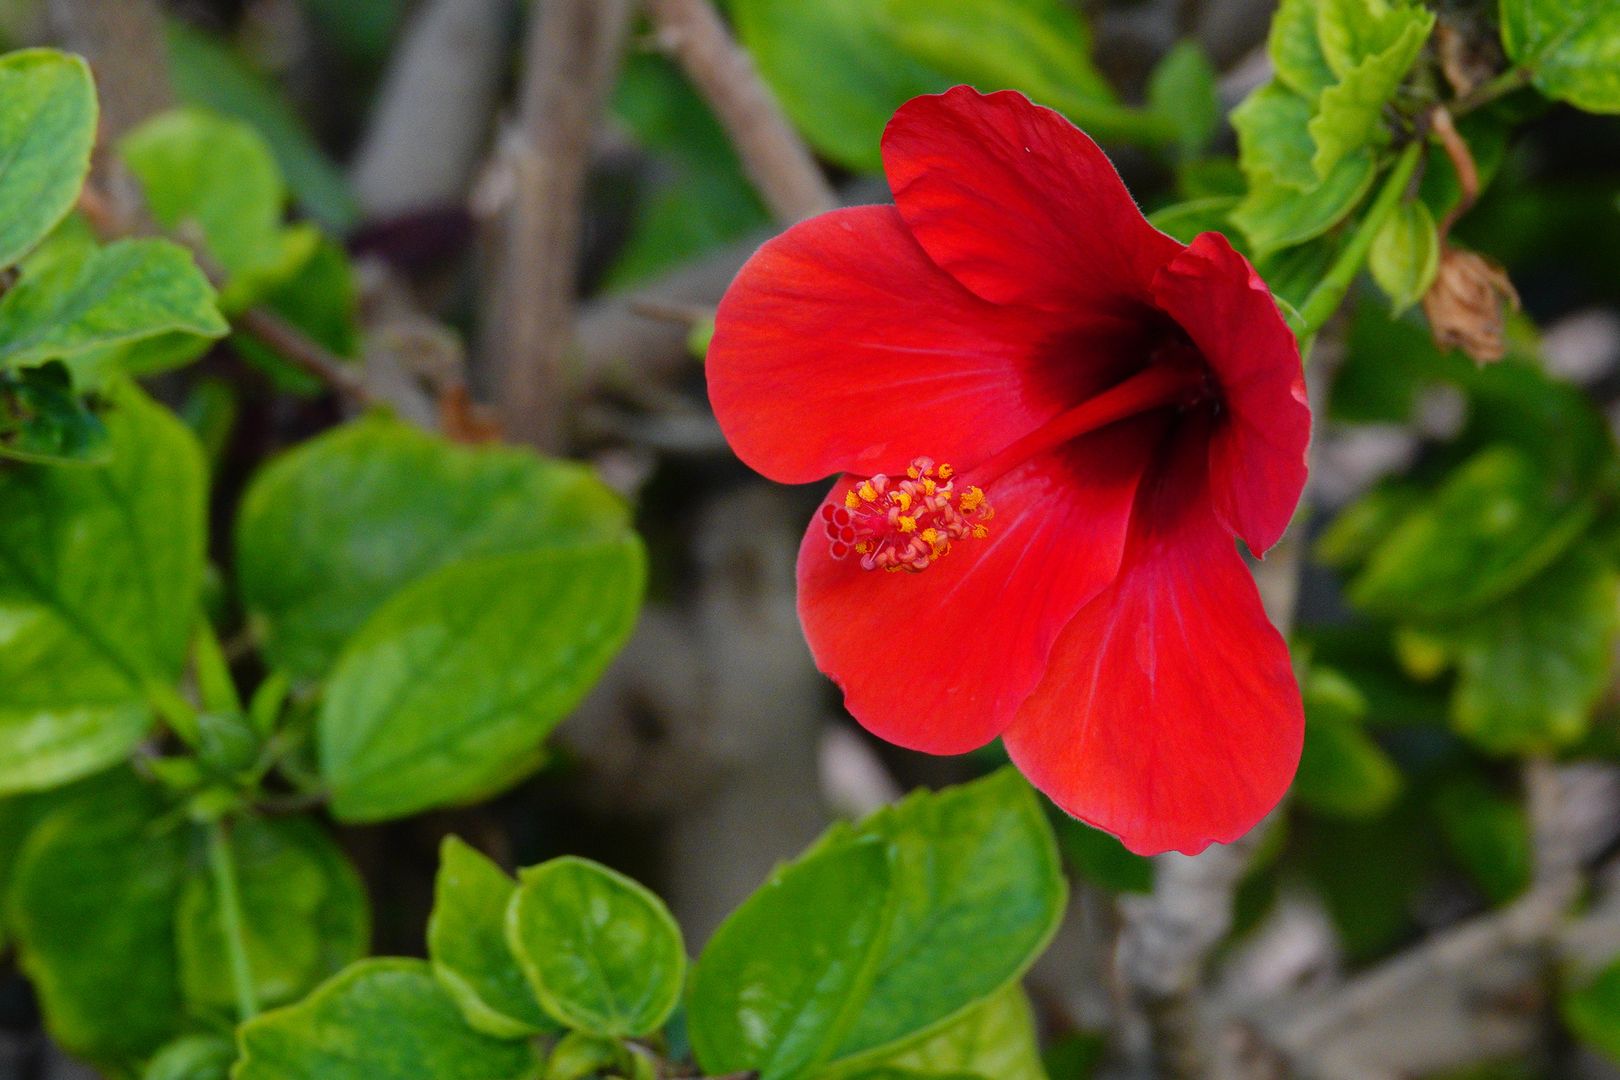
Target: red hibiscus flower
{"x":1053,"y":420}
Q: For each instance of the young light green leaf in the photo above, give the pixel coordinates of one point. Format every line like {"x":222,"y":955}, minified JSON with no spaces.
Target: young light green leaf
{"x":995,"y":1039}
{"x":1183,"y":88}
{"x":1350,"y":31}
{"x":1593,"y":1012}
{"x":1350,"y":114}
{"x":100,"y":569}
{"x":1531,"y":667}
{"x":1495,"y":523}
{"x":837,"y":68}
{"x":92,"y":904}
{"x":1274,"y":144}
{"x":787,"y":974}
{"x":1276,"y":215}
{"x":1405,"y":254}
{"x":377,"y":1020}
{"x":47,"y":129}
{"x":446,"y":694}
{"x":97,"y":299}
{"x":1296,"y":50}
{"x":1342,"y":771}
{"x":331,"y":530}
{"x":466,"y":942}
{"x":602,"y":953}
{"x":304,"y":913}
{"x":1186,"y":220}
{"x":1570,"y":47}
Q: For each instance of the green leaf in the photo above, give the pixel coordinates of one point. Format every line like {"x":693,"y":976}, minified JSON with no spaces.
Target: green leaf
{"x":1494,"y":524}
{"x":1041,"y":47}
{"x":1187,"y":220}
{"x":1182,"y":88}
{"x":1351,"y":31}
{"x":1570,"y":47}
{"x":100,"y":569}
{"x":47,"y":129}
{"x":979,"y":892}
{"x":837,"y":69}
{"x":377,"y":1020}
{"x":578,"y":1056}
{"x":1342,"y":771}
{"x":995,"y":1039}
{"x":126,"y":292}
{"x":1296,"y":50}
{"x":445,"y":695}
{"x":44,"y":420}
{"x":1276,"y":215}
{"x":214,"y":179}
{"x":93,"y":907}
{"x":303,"y":908}
{"x":323,"y":301}
{"x":1489,"y":834}
{"x":466,"y":940}
{"x":1350,"y":114}
{"x":1405,"y":255}
{"x":207,"y":72}
{"x":601,"y":952}
{"x":1531,"y":668}
{"x":331,"y":530}
{"x":193,"y":1057}
{"x":1273,"y":138}
{"x":788,"y":972}
{"x":1593,"y":1012}
{"x":1101,"y":859}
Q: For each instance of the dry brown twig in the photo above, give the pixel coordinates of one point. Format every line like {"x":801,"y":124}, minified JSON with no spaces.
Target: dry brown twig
{"x":777,"y":160}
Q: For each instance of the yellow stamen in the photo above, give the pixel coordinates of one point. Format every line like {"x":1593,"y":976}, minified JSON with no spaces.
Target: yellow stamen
{"x":929,"y":536}
{"x":907,"y":524}
{"x":901,"y":497}
{"x":867,"y":491}
{"x":980,"y":532}
{"x":972,"y":499}
{"x":912,"y":472}
{"x":945,"y":472}
{"x":929,"y":487}
{"x":851,"y":500}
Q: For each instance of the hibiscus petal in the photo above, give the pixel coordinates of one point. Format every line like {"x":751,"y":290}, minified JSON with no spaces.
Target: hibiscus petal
{"x":1019,"y":204}
{"x":939,"y":661}
{"x":1169,"y":714}
{"x":841,"y":347}
{"x":1257,"y":453}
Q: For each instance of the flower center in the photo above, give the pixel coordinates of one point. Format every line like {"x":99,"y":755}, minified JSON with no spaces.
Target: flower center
{"x":909,"y":523}
{"x":906,"y":523}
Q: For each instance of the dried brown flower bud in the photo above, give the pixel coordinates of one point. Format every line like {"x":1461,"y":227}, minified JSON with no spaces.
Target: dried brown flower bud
{"x":1464,"y":305}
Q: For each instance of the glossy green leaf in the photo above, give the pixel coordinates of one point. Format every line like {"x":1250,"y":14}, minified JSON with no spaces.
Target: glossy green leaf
{"x":995,"y":1039}
{"x":446,"y":694}
{"x":1489,"y":834}
{"x":1342,"y":771}
{"x":1350,"y":113}
{"x":602,"y":953}
{"x":1296,"y":50}
{"x":1101,"y":859}
{"x":331,"y":530}
{"x":466,"y":940}
{"x":1592,"y":1012}
{"x":787,"y":974}
{"x":1495,"y":523}
{"x":578,"y":1055}
{"x":193,"y":1057}
{"x":93,"y":908}
{"x":837,"y":69}
{"x":979,"y":892}
{"x":1570,"y":47}
{"x":207,"y":72}
{"x":304,"y":915}
{"x":1531,"y":667}
{"x":1182,"y":88}
{"x":377,"y":1020}
{"x":1405,"y":255}
{"x":100,"y":569}
{"x":47,"y":129}
{"x":126,"y":292}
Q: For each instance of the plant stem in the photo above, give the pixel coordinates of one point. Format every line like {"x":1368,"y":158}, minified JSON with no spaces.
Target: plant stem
{"x":1507,"y":82}
{"x":222,"y":863}
{"x":1324,"y":300}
